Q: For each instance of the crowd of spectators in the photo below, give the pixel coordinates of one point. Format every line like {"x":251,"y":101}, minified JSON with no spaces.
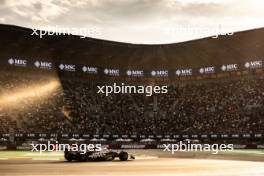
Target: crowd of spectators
{"x":228,"y":106}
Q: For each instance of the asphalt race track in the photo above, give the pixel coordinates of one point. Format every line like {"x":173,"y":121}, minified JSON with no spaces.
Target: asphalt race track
{"x":158,"y":166}
{"x":144,"y":165}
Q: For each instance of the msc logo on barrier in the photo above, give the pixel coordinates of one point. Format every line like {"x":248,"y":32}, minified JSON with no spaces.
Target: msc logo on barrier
{"x":67,"y":67}
{"x":17,"y":62}
{"x":207,"y":70}
{"x":159,"y":73}
{"x":111,"y":72}
{"x":253,"y":64}
{"x":229,"y":67}
{"x":135,"y":73}
{"x":184,"y":72}
{"x":43,"y":64}
{"x":91,"y":70}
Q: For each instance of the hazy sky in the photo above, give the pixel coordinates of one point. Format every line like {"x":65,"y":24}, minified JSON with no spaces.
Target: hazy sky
{"x":138,"y":21}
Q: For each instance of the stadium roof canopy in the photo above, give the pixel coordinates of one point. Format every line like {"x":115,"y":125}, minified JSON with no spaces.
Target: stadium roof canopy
{"x":240,"y":47}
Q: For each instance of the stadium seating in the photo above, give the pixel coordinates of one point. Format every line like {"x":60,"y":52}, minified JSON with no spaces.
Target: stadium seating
{"x":228,"y":106}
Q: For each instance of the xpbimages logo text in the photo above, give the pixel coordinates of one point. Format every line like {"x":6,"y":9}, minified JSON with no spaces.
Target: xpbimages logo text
{"x":50,"y":147}
{"x":189,"y":147}
{"x":131,"y":89}
{"x":43,"y":31}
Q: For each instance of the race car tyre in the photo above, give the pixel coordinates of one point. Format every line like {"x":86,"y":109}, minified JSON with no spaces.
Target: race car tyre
{"x":123,"y":156}
{"x":82,"y":158}
{"x":68,"y":157}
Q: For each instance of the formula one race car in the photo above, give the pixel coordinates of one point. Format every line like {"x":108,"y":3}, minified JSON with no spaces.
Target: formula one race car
{"x":104,"y":155}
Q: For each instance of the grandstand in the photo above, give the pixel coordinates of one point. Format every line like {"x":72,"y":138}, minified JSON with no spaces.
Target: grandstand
{"x":228,"y":108}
